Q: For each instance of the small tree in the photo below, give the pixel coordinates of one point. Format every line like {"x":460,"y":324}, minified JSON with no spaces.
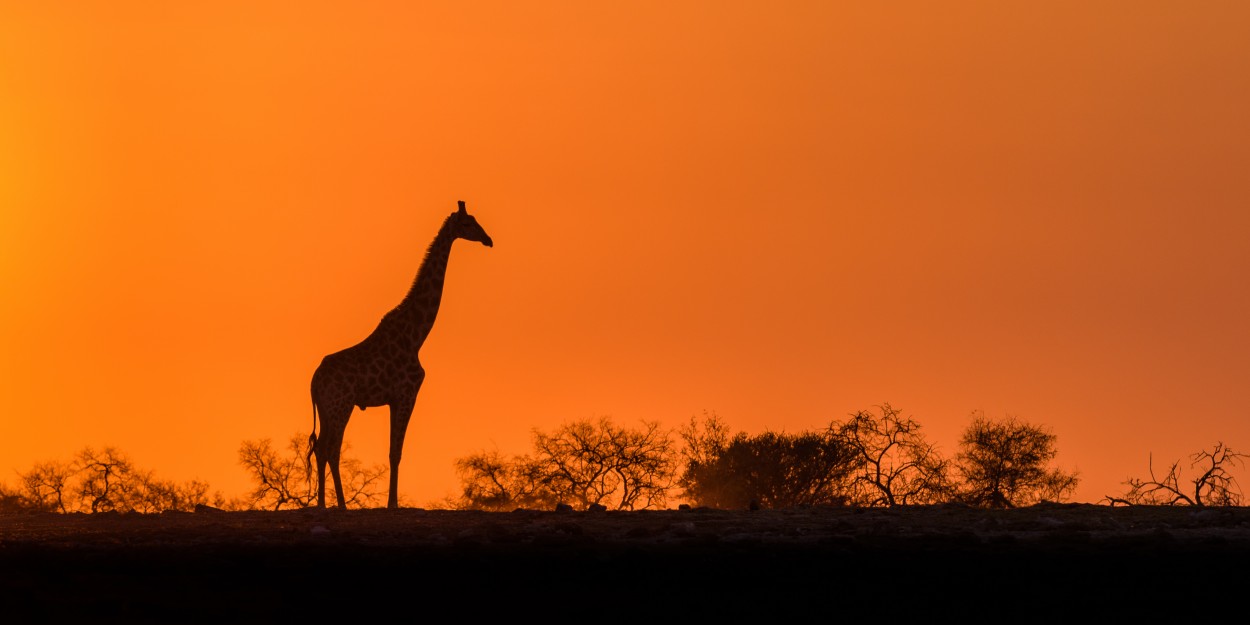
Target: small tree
{"x":46,"y":487}
{"x":894,"y":463}
{"x":489,"y":482}
{"x":1005,"y":464}
{"x":106,"y":481}
{"x":287,"y":482}
{"x":1215,"y":486}
{"x":581,"y":463}
{"x":771,"y":470}
{"x":601,"y":463}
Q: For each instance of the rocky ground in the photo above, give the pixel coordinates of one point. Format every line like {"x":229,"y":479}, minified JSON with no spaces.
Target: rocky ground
{"x":1044,"y":563}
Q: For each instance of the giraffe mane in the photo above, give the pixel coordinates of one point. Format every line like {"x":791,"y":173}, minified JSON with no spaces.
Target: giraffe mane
{"x":425,"y":259}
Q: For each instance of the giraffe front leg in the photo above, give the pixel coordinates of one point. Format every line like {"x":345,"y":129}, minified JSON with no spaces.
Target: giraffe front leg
{"x":338,"y":481}
{"x":401,"y":412}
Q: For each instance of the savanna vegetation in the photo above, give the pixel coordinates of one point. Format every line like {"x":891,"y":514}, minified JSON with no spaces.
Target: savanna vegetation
{"x":104,"y":480}
{"x":108,"y":481}
{"x":873,"y":458}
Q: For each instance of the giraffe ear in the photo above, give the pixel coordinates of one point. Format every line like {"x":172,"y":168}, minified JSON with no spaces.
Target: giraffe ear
{"x":461,"y":204}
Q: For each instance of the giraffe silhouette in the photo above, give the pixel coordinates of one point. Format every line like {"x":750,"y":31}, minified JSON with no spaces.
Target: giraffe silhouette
{"x":383,"y":369}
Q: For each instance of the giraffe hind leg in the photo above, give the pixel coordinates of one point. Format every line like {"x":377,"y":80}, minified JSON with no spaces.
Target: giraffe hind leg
{"x":329,"y":447}
{"x":321,"y":481}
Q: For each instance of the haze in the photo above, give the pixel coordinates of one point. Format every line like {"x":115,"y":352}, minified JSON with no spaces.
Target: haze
{"x":781,"y":214}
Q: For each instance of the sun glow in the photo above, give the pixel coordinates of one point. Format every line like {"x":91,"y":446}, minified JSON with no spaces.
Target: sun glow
{"x":782,"y":214}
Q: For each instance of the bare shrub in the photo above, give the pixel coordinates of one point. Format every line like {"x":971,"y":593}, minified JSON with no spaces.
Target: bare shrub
{"x":490,"y":482}
{"x":286,"y":482}
{"x":581,"y":463}
{"x":1214,"y":486}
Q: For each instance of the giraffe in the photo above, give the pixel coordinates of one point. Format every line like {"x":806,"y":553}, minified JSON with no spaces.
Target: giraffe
{"x":383,"y":369}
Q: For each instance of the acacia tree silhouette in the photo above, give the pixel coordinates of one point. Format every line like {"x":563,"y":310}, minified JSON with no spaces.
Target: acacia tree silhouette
{"x":1004,"y":463}
{"x":582,"y":463}
{"x":894,"y":463}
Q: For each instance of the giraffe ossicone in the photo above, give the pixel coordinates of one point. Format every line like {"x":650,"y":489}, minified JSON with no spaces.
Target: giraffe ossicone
{"x":384,"y":369}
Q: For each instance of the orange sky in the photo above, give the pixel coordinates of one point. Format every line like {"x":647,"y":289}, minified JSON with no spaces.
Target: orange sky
{"x":780,"y":212}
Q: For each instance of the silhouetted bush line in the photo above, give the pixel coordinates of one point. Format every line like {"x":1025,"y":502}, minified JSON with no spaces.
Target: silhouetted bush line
{"x":108,"y":481}
{"x":872,"y":459}
{"x":875,"y":458}
{"x":101,"y":481}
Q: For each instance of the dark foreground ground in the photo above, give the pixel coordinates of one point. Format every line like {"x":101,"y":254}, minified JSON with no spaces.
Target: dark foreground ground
{"x":1048,"y":563}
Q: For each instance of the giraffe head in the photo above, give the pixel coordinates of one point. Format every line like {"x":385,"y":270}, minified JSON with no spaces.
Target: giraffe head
{"x":464,"y":226}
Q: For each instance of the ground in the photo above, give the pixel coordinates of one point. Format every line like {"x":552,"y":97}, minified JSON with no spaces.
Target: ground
{"x":1037,"y":564}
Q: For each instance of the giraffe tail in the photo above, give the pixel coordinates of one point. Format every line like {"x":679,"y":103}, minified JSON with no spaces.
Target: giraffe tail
{"x":312,"y":444}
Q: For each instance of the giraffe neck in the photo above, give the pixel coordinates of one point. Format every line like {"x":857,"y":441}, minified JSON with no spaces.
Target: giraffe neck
{"x":420,"y":305}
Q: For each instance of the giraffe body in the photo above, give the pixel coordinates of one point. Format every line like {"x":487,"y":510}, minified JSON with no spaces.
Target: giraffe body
{"x":384,"y":369}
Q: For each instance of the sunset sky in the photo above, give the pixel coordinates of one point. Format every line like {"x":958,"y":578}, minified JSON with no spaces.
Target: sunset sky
{"x":780,"y":212}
